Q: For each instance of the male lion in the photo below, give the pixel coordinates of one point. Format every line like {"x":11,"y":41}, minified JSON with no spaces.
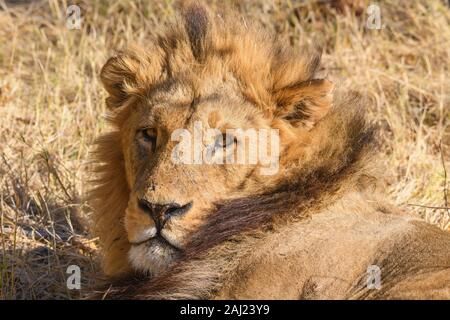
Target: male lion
{"x":317,"y":228}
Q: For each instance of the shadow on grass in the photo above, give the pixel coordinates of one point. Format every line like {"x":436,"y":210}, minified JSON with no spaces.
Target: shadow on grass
{"x":43,"y":232}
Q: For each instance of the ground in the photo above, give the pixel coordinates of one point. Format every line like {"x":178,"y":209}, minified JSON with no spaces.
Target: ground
{"x":51,"y":107}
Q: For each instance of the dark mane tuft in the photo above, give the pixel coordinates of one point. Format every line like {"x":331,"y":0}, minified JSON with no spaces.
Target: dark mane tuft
{"x":196,"y":24}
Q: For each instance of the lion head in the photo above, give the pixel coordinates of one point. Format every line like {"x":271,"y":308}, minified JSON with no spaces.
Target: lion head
{"x":200,"y":77}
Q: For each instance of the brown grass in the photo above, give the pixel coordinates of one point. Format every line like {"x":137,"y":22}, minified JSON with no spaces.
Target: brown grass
{"x":51,"y":106}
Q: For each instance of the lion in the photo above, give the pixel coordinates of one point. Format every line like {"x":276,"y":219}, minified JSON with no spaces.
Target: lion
{"x":317,"y":227}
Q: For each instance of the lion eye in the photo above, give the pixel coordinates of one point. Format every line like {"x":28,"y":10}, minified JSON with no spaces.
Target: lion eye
{"x":224,"y":141}
{"x":148,"y":136}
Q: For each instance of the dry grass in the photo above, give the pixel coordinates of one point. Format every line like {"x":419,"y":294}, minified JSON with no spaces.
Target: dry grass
{"x":51,"y":106}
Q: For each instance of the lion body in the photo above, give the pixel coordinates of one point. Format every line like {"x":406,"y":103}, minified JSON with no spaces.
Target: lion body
{"x":330,"y":256}
{"x":311,"y":231}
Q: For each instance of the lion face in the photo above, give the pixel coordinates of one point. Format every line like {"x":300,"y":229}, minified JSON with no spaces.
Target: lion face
{"x":169,"y":199}
{"x":210,"y":112}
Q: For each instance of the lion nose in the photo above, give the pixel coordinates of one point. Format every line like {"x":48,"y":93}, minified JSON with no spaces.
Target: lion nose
{"x":161,"y":213}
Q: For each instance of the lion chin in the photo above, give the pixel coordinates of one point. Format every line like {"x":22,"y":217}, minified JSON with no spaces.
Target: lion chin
{"x":153,"y":257}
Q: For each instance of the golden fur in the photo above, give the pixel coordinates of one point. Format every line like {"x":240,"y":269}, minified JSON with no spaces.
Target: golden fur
{"x":309,"y":231}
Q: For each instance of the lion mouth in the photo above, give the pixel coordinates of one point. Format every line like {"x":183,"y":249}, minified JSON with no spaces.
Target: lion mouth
{"x":158,"y":240}
{"x":154,"y":255}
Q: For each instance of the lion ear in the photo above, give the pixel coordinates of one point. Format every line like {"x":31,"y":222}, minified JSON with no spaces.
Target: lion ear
{"x":304,"y":103}
{"x":118,"y":73}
